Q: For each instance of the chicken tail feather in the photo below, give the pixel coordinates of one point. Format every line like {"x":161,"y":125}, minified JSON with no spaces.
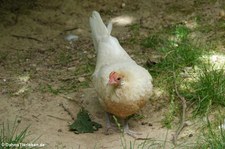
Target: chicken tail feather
{"x":98,"y":28}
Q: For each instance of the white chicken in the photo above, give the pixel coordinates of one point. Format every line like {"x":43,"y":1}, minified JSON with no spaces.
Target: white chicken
{"x":123,"y":87}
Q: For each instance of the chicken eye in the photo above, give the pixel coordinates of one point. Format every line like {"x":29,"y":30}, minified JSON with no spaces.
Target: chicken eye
{"x":118,"y":78}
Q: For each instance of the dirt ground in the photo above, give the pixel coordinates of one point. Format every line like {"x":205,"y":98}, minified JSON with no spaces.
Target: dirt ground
{"x":40,"y":70}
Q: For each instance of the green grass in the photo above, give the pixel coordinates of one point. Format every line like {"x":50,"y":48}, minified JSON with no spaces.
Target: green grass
{"x":212,"y":136}
{"x":201,"y":2}
{"x":179,"y":53}
{"x":204,"y":85}
{"x":135,"y":30}
{"x":176,"y":49}
{"x":3,"y":56}
{"x":64,"y":57}
{"x":152,"y":41}
{"x":140,"y":144}
{"x":44,"y":88}
{"x":180,"y":31}
{"x":183,"y":55}
{"x":209,"y":90}
{"x":148,"y":143}
{"x":170,"y":114}
{"x":11,"y":135}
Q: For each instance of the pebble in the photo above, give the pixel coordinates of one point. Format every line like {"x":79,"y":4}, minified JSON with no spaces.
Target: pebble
{"x":188,"y":123}
{"x":18,"y":121}
{"x":222,"y":13}
{"x":146,"y":123}
{"x":150,"y":124}
{"x":89,"y":56}
{"x":4,"y":91}
{"x":71,"y":37}
{"x":72,"y":68}
{"x":123,"y":5}
{"x":143,"y":123}
{"x":81,"y":79}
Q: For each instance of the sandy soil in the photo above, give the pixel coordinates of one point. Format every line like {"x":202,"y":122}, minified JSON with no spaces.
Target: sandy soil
{"x":41,"y":70}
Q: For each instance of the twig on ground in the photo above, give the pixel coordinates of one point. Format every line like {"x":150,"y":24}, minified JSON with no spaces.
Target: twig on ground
{"x":139,"y":138}
{"x":67,"y":110}
{"x":36,"y":116}
{"x":70,"y":99}
{"x":70,"y":29}
{"x":26,"y":37}
{"x":57,"y":118}
{"x":184,"y":106}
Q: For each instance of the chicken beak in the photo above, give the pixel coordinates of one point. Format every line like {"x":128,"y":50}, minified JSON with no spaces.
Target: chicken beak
{"x":112,"y":82}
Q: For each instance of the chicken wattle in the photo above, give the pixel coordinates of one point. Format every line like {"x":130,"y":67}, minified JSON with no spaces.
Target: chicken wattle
{"x":123,"y":87}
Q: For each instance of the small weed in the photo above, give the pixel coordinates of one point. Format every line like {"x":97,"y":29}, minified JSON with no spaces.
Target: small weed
{"x":152,"y":41}
{"x":48,"y":88}
{"x":201,"y":2}
{"x":135,"y":28}
{"x":134,"y":38}
{"x":3,"y":56}
{"x":180,"y":31}
{"x":170,"y":115}
{"x":65,"y":57}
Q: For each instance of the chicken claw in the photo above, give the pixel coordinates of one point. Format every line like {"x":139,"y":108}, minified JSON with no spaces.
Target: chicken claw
{"x":128,"y":131}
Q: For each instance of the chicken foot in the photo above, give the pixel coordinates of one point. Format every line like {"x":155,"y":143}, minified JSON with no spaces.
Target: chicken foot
{"x":127,"y":130}
{"x":109,"y":125}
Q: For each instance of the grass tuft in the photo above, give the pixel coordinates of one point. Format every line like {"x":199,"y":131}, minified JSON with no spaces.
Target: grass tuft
{"x":170,"y":115}
{"x":11,"y":135}
{"x":179,"y":55}
{"x":152,"y":41}
{"x":213,"y":137}
{"x":180,"y":31}
{"x":183,"y":55}
{"x":209,"y":90}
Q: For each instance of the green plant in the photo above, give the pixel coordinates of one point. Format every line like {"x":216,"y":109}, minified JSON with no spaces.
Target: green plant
{"x":11,"y":135}
{"x":3,"y":56}
{"x":64,"y":57}
{"x":83,"y":123}
{"x":153,"y":41}
{"x":209,"y":90}
{"x":213,"y":137}
{"x":170,"y":115}
{"x":48,"y":88}
{"x":184,"y":55}
{"x":180,"y":31}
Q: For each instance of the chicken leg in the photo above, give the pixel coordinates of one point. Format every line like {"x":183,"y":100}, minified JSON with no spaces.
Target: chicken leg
{"x":108,"y":124}
{"x":127,"y":130}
